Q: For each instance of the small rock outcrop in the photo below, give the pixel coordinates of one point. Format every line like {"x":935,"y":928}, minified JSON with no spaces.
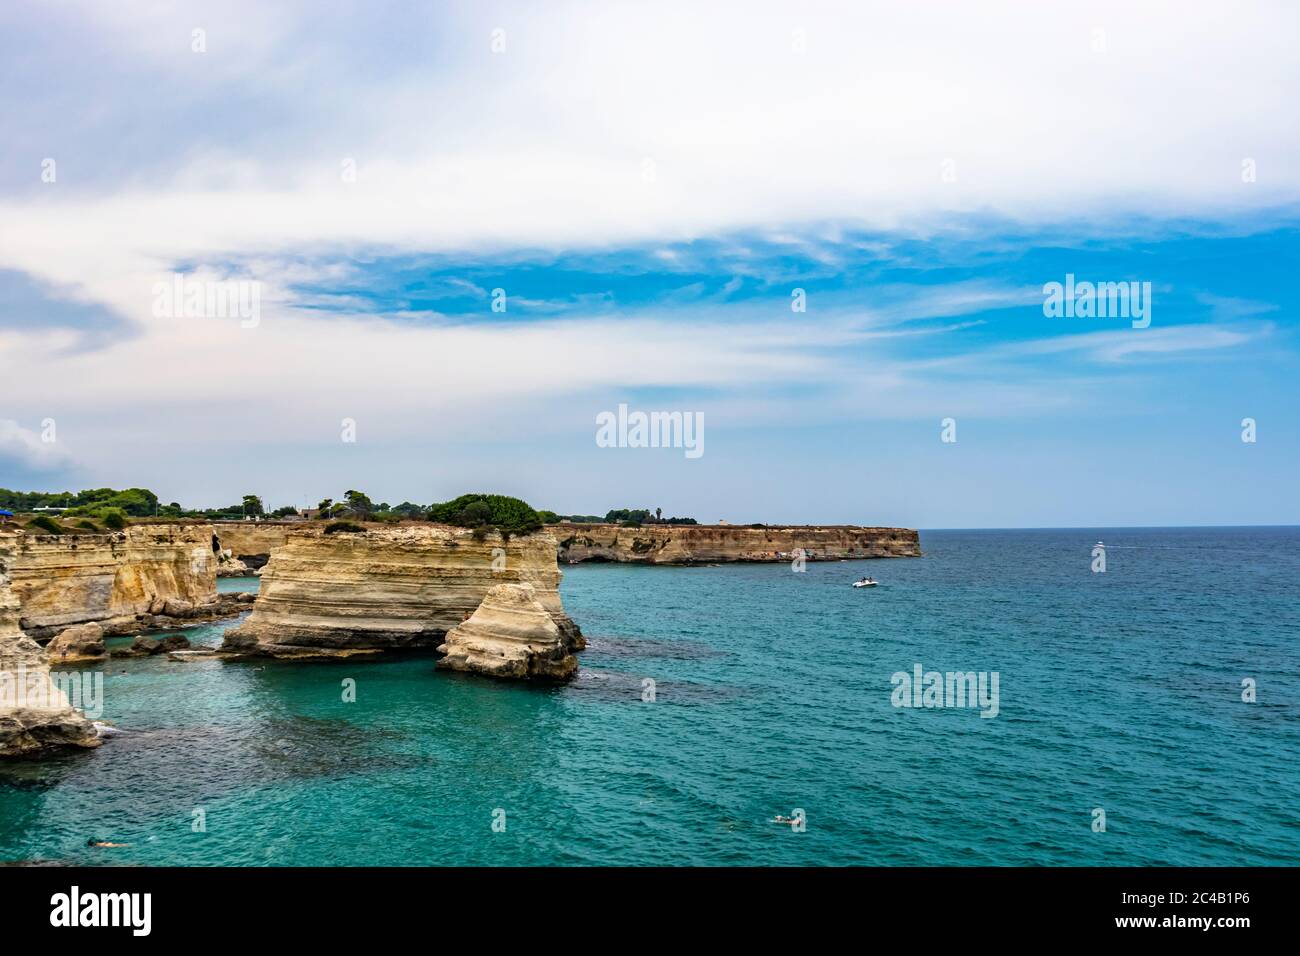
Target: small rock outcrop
{"x":229,"y":566}
{"x":36,"y":716}
{"x":82,"y":642}
{"x":142,"y":646}
{"x":510,"y":635}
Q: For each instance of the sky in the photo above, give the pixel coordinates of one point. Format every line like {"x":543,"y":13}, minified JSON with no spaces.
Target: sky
{"x":825,"y":228}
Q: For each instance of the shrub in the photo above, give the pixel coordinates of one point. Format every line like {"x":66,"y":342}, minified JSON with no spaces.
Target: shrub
{"x":505,"y":514}
{"x":87,"y":525}
{"x":44,"y":524}
{"x":114,"y":518}
{"x":343,"y":527}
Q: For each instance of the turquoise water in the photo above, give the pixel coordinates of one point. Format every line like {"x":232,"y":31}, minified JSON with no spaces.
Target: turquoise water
{"x":1119,"y":690}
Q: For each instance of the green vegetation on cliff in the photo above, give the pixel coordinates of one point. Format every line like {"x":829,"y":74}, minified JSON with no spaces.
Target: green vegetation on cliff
{"x":505,"y":514}
{"x":138,"y":502}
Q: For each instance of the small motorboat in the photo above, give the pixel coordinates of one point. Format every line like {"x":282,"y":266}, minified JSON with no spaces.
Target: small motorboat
{"x":865,"y":583}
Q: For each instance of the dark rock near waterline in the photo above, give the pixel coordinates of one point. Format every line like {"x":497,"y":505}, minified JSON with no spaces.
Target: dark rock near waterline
{"x":141,"y":647}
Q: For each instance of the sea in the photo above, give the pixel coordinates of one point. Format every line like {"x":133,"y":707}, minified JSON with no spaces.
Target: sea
{"x":1145,"y":714}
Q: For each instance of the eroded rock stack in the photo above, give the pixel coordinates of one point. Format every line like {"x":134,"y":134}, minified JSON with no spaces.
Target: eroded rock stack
{"x":35,"y":714}
{"x":331,"y":595}
{"x":510,"y":635}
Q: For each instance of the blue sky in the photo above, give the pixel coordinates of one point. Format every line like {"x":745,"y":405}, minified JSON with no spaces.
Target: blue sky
{"x":648,"y":222}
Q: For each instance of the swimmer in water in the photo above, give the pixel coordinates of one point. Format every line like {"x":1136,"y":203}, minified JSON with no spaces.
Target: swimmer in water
{"x":105,"y":843}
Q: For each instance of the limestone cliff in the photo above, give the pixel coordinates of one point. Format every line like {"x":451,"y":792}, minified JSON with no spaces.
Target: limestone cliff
{"x":693,"y":544}
{"x":252,"y":542}
{"x":389,"y":587}
{"x":510,"y":635}
{"x":112,"y":579}
{"x":35,"y":714}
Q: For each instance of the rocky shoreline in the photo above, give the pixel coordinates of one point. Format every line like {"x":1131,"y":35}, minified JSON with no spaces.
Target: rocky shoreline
{"x":488,"y":603}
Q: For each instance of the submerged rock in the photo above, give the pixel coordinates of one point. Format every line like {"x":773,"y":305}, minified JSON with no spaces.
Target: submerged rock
{"x":510,"y":635}
{"x":82,"y":642}
{"x":173,"y":642}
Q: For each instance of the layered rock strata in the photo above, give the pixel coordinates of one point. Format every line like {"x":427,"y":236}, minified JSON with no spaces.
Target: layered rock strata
{"x":703,"y":544}
{"x":166,"y":570}
{"x":390,"y":587}
{"x":250,"y":543}
{"x":510,"y":635}
{"x":36,"y":716}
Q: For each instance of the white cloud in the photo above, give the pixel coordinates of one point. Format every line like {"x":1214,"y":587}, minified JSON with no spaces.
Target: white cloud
{"x":28,"y":448}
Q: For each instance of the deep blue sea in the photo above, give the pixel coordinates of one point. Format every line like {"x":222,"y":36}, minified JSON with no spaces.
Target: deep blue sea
{"x":1120,"y":691}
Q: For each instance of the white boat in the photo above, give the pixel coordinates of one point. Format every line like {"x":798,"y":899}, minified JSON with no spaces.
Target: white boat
{"x":865,"y":584}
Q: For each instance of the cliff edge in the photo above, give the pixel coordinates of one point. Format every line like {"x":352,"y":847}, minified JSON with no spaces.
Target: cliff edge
{"x":706,"y":544}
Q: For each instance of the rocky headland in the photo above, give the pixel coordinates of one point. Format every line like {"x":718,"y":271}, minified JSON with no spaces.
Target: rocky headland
{"x":709,"y":544}
{"x":145,"y":576}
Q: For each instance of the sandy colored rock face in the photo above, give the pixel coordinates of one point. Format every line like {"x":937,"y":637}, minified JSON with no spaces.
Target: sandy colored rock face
{"x":81,"y":642}
{"x":35,"y":715}
{"x":250,"y":543}
{"x":71,"y":579}
{"x":510,"y":635}
{"x":229,"y":566}
{"x":702,"y":544}
{"x":390,"y":587}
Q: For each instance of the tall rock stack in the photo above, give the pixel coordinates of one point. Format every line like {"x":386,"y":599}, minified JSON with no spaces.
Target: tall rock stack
{"x":330,"y":595}
{"x":35,"y":715}
{"x":510,"y":635}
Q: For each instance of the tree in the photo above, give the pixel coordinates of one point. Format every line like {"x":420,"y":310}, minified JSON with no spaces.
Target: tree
{"x":325,"y":505}
{"x":359,"y":504}
{"x":508,"y":515}
{"x":659,"y":513}
{"x":253,"y":505}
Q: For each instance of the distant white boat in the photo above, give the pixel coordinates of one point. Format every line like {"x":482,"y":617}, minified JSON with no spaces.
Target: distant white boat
{"x":865,"y":584}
